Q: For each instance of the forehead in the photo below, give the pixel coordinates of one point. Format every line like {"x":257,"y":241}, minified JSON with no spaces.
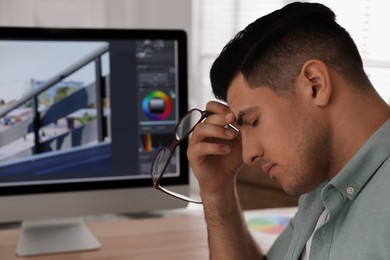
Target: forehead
{"x":240,"y":96}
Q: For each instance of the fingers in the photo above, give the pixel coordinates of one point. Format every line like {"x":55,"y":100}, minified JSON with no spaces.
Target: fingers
{"x":209,"y":148}
{"x":207,"y":130}
{"x":212,"y":136}
{"x":217,"y":107}
{"x":210,"y":140}
{"x":214,"y":147}
{"x":221,"y":114}
{"x":215,"y":124}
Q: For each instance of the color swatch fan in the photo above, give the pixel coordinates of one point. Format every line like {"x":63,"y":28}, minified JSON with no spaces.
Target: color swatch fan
{"x":265,"y":225}
{"x":268,"y":224}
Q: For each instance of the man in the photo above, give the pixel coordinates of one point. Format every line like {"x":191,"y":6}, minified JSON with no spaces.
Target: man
{"x":310,"y":118}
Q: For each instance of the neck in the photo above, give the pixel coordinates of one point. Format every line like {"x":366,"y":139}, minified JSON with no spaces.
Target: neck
{"x":354,"y":122}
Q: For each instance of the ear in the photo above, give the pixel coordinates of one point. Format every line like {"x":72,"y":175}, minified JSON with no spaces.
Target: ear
{"x":314,"y":82}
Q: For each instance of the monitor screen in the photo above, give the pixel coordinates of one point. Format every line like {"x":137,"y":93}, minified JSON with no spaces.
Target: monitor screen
{"x":87,"y":110}
{"x":84,"y":110}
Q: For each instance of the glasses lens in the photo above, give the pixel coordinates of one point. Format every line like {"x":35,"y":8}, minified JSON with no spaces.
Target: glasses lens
{"x":187,"y":123}
{"x":161,"y":160}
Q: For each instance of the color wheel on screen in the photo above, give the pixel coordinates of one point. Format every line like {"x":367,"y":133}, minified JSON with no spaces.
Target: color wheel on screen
{"x":268,"y":224}
{"x":156,"y":105}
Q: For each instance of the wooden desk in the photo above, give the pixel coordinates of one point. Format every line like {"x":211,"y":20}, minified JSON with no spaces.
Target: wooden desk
{"x":173,"y":237}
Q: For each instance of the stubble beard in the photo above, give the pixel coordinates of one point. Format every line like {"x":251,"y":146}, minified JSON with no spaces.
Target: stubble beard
{"x":312,"y":158}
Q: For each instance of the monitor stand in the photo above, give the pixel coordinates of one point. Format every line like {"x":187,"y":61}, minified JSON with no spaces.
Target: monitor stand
{"x":55,"y":236}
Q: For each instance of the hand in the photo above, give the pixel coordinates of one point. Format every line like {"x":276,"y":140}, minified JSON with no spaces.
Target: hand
{"x":214,"y":150}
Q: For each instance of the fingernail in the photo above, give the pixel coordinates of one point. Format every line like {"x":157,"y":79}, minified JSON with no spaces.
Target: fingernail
{"x":226,"y":148}
{"x":229,"y":116}
{"x":230,"y":132}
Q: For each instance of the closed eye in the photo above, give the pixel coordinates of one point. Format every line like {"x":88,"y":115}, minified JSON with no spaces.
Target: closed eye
{"x":254,"y":123}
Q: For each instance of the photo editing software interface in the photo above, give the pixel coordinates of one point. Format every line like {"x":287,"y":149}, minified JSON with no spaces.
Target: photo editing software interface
{"x":140,"y":109}
{"x":158,"y":94}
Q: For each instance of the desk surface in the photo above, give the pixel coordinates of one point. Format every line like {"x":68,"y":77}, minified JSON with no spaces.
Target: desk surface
{"x":176,"y":236}
{"x":173,"y":237}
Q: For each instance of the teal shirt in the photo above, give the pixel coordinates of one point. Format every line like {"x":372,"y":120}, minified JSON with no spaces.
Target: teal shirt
{"x":358,"y":200}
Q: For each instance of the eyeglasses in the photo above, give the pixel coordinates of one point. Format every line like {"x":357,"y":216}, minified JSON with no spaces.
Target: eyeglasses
{"x":164,"y":155}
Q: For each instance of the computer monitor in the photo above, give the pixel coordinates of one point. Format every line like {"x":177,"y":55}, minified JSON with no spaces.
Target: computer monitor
{"x":82,"y":112}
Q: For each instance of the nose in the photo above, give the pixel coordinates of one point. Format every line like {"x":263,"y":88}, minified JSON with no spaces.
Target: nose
{"x":251,"y":150}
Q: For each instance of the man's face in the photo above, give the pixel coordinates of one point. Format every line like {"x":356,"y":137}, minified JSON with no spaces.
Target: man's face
{"x":282,"y":134}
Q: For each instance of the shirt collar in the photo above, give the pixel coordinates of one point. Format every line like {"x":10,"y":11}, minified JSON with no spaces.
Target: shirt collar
{"x":364,"y":164}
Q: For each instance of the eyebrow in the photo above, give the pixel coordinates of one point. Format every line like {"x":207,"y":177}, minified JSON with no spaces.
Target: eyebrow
{"x":242,"y":114}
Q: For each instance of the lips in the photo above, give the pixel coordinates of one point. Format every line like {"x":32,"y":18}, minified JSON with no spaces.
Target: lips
{"x":267,"y":168}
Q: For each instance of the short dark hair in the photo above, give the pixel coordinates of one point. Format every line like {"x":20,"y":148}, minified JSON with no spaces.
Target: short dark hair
{"x":272,"y":50}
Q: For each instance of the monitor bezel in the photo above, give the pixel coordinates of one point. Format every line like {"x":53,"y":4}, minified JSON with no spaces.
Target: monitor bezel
{"x":106,"y":34}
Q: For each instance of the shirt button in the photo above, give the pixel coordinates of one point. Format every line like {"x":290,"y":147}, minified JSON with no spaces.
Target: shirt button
{"x":350,"y":190}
